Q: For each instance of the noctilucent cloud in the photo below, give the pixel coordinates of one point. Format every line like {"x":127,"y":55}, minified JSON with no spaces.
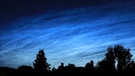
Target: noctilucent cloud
{"x":68,"y":31}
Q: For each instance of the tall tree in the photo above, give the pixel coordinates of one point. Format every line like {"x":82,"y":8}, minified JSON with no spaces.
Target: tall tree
{"x":123,"y":57}
{"x":120,"y":54}
{"x":115,"y":54}
{"x":40,"y":63}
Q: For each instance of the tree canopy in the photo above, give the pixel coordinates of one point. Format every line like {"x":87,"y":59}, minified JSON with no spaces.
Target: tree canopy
{"x":117,"y":58}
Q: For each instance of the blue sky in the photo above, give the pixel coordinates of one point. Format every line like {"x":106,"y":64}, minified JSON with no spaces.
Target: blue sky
{"x":71,"y":35}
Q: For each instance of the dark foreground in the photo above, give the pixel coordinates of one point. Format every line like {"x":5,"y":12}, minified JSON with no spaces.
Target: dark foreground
{"x":5,"y":71}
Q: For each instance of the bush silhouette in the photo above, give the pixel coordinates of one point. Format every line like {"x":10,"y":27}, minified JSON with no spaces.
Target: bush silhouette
{"x":25,"y":68}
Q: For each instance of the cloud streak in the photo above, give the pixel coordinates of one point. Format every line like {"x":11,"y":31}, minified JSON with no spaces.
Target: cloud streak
{"x":69,"y":36}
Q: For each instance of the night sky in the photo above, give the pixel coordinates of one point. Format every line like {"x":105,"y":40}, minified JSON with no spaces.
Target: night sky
{"x":69,"y":31}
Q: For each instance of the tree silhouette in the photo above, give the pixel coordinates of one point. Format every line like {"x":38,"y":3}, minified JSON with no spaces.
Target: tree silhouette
{"x":117,"y":61}
{"x":54,"y":69}
{"x":90,"y":65}
{"x":116,"y":54}
{"x":120,"y":54}
{"x":61,"y":66}
{"x":104,"y":66}
{"x":123,"y":56}
{"x":40,"y":63}
{"x":110,"y":58}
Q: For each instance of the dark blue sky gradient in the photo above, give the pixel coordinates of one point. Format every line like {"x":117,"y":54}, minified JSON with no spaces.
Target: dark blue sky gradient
{"x":69,"y":31}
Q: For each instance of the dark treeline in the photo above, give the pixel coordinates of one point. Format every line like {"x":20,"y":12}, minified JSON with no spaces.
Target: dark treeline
{"x":117,"y":61}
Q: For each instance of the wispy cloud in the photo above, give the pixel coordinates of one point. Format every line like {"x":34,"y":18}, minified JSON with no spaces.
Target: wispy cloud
{"x":72,"y":35}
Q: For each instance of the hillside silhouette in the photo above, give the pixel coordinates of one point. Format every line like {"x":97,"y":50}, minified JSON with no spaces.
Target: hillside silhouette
{"x":117,"y":61}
